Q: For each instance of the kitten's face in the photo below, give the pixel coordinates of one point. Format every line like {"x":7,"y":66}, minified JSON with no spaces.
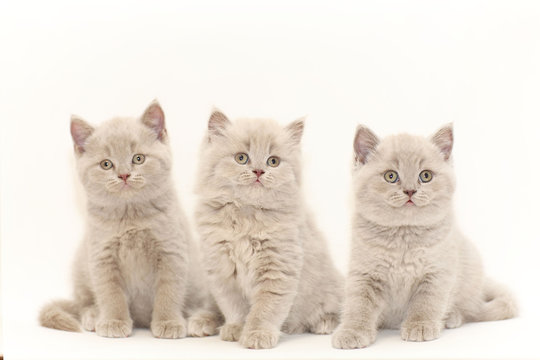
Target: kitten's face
{"x":404,"y":179}
{"x":251,"y":160}
{"x":124,"y":159}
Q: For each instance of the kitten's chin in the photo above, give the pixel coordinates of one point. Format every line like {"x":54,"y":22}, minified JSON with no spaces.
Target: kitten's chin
{"x":411,"y":205}
{"x":405,"y":215}
{"x":408,"y":205}
{"x":255,"y":186}
{"x":262,"y":195}
{"x":254,"y":191}
{"x":126,"y":192}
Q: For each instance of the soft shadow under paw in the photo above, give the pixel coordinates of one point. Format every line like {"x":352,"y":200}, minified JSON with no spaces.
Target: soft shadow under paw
{"x":259,"y":339}
{"x":231,"y":332}
{"x":353,"y":339}
{"x":420,"y":331}
{"x":169,"y":329}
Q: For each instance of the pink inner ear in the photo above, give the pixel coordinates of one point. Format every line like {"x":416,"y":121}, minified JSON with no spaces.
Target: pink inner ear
{"x":296,"y":129}
{"x":154,"y":118}
{"x":80,"y":132}
{"x":444,"y":140}
{"x":218,"y":121}
{"x":446,"y":149}
{"x":365,"y":143}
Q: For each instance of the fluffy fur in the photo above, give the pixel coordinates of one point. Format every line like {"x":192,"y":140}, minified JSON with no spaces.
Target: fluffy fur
{"x":411,"y":268}
{"x":268,"y":265}
{"x":137,"y":265}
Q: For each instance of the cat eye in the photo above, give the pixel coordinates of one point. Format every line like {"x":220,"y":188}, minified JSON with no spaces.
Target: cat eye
{"x":391,"y":176}
{"x":138,"y":159}
{"x":106,"y":164}
{"x":426,"y":176}
{"x":241,"y":158}
{"x":273,"y":161}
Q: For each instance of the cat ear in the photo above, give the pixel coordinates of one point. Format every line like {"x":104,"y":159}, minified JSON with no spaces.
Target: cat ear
{"x":365,"y":142}
{"x":154,"y":118}
{"x":296,"y":129}
{"x":80,"y":131}
{"x":444,"y":140}
{"x":217,"y":123}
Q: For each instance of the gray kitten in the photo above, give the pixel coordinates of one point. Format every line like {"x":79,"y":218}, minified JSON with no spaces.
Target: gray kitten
{"x":137,"y":264}
{"x":268,"y":265}
{"x":411,"y":268}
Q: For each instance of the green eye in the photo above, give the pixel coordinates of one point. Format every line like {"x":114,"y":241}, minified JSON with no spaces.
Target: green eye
{"x":138,"y":159}
{"x":391,"y":176}
{"x":273,"y":161}
{"x":426,"y":176}
{"x":106,"y":164}
{"x":241,"y":158}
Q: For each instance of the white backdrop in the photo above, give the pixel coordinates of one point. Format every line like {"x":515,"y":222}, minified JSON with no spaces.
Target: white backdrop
{"x":395,"y":66}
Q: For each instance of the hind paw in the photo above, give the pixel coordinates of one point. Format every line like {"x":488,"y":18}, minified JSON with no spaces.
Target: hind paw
{"x":296,"y":328}
{"x":326,"y":324}
{"x":230,"y":332}
{"x":202,"y":324}
{"x":454,"y":320}
{"x":88,"y":319}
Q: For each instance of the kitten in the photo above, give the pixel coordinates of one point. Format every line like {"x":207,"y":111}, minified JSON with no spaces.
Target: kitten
{"x":137,"y":265}
{"x":268,"y":265}
{"x":411,"y":268}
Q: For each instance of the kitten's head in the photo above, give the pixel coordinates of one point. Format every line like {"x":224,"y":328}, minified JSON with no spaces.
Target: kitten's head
{"x":403,"y":179}
{"x":123,"y":159}
{"x":253,"y":161}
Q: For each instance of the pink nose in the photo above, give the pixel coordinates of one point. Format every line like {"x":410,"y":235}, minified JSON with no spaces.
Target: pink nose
{"x":258,"y":172}
{"x":409,"y":192}
{"x":124,"y":177}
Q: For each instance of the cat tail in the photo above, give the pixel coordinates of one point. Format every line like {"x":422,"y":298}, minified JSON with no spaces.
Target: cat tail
{"x":61,"y":315}
{"x":498,"y":303}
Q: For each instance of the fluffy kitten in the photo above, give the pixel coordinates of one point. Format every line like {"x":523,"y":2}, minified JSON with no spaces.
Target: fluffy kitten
{"x":268,"y":265}
{"x":137,"y":264}
{"x":410,"y":267}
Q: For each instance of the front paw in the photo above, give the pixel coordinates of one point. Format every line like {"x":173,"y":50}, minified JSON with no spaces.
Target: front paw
{"x":230,"y":332}
{"x":421,"y":330}
{"x":169,"y":329}
{"x":353,"y":338}
{"x":260,"y":338}
{"x":114,"y":328}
